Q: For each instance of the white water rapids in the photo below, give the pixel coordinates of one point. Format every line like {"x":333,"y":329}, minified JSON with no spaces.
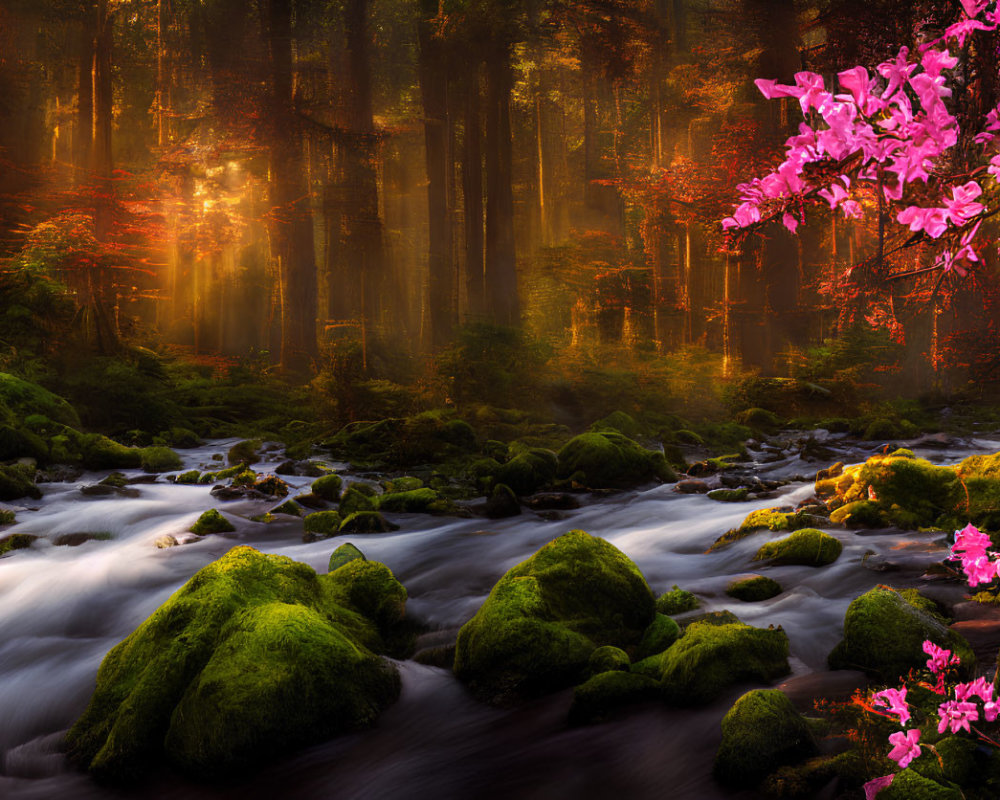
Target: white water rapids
{"x":62,"y":608}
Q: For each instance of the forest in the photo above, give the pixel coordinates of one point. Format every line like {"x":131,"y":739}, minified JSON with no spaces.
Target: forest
{"x":499,"y":398}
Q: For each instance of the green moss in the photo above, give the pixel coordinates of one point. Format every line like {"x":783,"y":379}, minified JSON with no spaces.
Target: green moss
{"x":528,"y":471}
{"x":910,"y":785}
{"x":860,"y":514}
{"x":428,"y":438}
{"x":191,"y":476}
{"x":416,"y":501}
{"x":288,"y":507}
{"x":366,"y":522}
{"x":7,"y":517}
{"x":754,"y":589}
{"x":884,"y":636}
{"x":809,"y":547}
{"x":371,"y":588}
{"x":357,"y":499}
{"x":759,"y":419}
{"x":116,"y":479}
{"x":211,"y":521}
{"x":15,"y":541}
{"x":244,"y":452}
{"x":24,"y":399}
{"x":16,"y":482}
{"x":604,"y":694}
{"x":619,"y":422}
{"x":771,"y":519}
{"x":545,"y":616}
{"x":254,"y":656}
{"x":324,"y":522}
{"x":728,"y":495}
{"x":676,"y":601}
{"x":246,"y":478}
{"x":346,"y":552}
{"x":160,"y":459}
{"x":661,"y":633}
{"x":328,"y":487}
{"x":404,"y":484}
{"x":761,"y":732}
{"x":608,"y":658}
{"x":881,"y":429}
{"x":708,"y":659}
{"x":610,"y":460}
{"x":99,"y":453}
{"x":271,"y":486}
{"x":684,"y":436}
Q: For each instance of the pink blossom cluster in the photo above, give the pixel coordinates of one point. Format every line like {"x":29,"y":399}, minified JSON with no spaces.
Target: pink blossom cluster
{"x":873,"y":123}
{"x":972,"y":549}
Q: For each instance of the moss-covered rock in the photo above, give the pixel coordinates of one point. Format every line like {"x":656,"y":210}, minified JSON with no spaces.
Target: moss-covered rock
{"x":502,"y":503}
{"x":728,"y":495}
{"x":407,"y":483}
{"x":545,"y":616}
{"x":600,"y":697}
{"x":357,"y":499}
{"x":661,"y":633}
{"x":676,"y":601}
{"x":346,"y":552}
{"x":211,"y":521}
{"x":160,"y":459}
{"x":619,"y":422}
{"x":254,"y":656}
{"x":7,"y":517}
{"x":371,"y":588}
{"x":366,"y":522}
{"x":224,"y":474}
{"x":191,"y":476}
{"x":99,"y":452}
{"x":528,"y":471}
{"x":761,"y":732}
{"x":23,"y":399}
{"x":398,"y":443}
{"x":244,"y":452}
{"x":759,"y":419}
{"x":328,"y":487}
{"x":326,"y":523}
{"x":289,"y":507}
{"x":765,"y":519}
{"x":754,"y":589}
{"x":608,"y":658}
{"x":708,"y":659}
{"x":911,"y":785}
{"x":809,"y":547}
{"x":884,"y":634}
{"x":15,"y":541}
{"x":16,"y":482}
{"x":416,"y":501}
{"x":611,"y":460}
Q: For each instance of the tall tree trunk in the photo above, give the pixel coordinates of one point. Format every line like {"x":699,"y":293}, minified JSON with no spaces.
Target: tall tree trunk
{"x":501,"y":263}
{"x":83,"y":143}
{"x":292,"y":228}
{"x":364,"y":233}
{"x":472,"y":193}
{"x":434,"y":91}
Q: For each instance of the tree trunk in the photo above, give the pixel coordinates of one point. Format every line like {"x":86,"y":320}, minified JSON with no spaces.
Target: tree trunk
{"x":472,"y":194}
{"x":84,"y":141}
{"x":501,"y":265}
{"x":292,"y":229}
{"x":434,"y":91}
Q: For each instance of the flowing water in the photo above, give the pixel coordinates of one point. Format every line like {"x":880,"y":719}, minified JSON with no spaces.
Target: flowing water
{"x":62,"y":608}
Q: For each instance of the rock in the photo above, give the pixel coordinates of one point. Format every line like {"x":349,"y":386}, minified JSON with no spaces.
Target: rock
{"x":610,"y":460}
{"x":270,"y":486}
{"x":911,"y":785}
{"x":366,"y":522}
{"x":357,"y":499}
{"x":397,"y":443}
{"x":160,"y":459}
{"x":809,"y":547}
{"x":59,"y":473}
{"x":76,"y":539}
{"x":676,"y":601}
{"x":404,"y":484}
{"x":607,"y":659}
{"x":99,"y":453}
{"x":228,"y":492}
{"x":310,"y":500}
{"x":211,"y":521}
{"x":619,"y":422}
{"x":328,"y":487}
{"x":708,"y":659}
{"x":884,"y":632}
{"x":729,"y":495}
{"x":116,"y":479}
{"x":529,"y":471}
{"x":107,"y":490}
{"x":286,"y":467}
{"x":502,"y":503}
{"x":562,"y":501}
{"x":691,"y":486}
{"x":254,"y":656}
{"x":346,"y":552}
{"x":546,"y":615}
{"x":754,"y":589}
{"x":661,"y":633}
{"x":25,"y":398}
{"x":783,"y":518}
{"x":416,"y":501}
{"x":16,"y":541}
{"x":289,"y":507}
{"x":16,"y":482}
{"x":244,"y":452}
{"x":761,"y":732}
{"x":602,"y":695}
{"x":322,"y":523}
{"x":165,"y":541}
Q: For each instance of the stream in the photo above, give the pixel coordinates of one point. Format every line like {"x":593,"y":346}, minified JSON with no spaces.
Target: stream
{"x":62,"y":608}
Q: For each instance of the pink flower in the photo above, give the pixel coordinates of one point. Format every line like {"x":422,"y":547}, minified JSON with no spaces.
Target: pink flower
{"x":940,"y":659}
{"x":991,"y":709}
{"x":979,"y":569}
{"x":906,"y":748}
{"x":973,"y":7}
{"x":932,"y":220}
{"x":897,"y":71}
{"x":956,"y":715}
{"x":980,"y":688}
{"x":961,"y":207}
{"x":876,"y":785}
{"x":894,"y":700}
{"x":970,"y":540}
{"x":789,"y":221}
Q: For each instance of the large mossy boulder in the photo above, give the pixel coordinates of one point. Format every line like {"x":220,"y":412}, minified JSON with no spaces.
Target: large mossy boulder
{"x":416,"y":501}
{"x":709,"y":658}
{"x":99,"y":453}
{"x":252,"y":657}
{"x":808,"y":547}
{"x":538,"y":627}
{"x":608,"y":459}
{"x":909,"y":784}
{"x":528,"y":471}
{"x":884,"y":632}
{"x":428,"y":438}
{"x":211,"y":521}
{"x":21,"y":399}
{"x":328,"y":487}
{"x":766,"y":519}
{"x":761,"y":732}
